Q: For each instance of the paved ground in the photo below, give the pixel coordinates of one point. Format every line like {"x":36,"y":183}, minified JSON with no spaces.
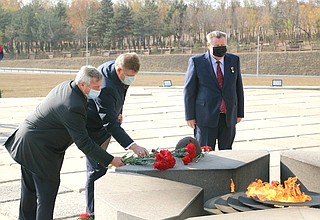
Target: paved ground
{"x":276,"y":119}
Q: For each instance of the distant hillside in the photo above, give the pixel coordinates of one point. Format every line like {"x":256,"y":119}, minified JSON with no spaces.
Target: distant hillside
{"x":272,"y":63}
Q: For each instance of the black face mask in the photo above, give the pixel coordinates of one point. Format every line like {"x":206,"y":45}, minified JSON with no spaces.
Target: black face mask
{"x":219,"y":51}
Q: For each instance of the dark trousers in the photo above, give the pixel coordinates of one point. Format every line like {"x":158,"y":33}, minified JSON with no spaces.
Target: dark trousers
{"x":38,"y":196}
{"x":208,"y":136}
{"x":94,"y":172}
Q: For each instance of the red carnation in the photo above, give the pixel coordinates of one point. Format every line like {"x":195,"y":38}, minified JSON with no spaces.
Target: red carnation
{"x":187,"y":159}
{"x":164,"y":160}
{"x":191,"y":150}
{"x":206,"y":148}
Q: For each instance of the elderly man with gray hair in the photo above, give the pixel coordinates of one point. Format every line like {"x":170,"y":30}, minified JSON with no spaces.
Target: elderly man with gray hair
{"x":213,"y":94}
{"x":40,"y":142}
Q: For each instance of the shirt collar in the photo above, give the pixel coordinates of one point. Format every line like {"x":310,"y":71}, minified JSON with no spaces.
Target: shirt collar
{"x":214,"y":60}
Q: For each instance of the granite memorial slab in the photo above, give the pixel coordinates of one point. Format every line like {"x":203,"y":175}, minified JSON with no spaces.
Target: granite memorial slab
{"x":130,"y":196}
{"x":305,"y":165}
{"x":213,"y":173}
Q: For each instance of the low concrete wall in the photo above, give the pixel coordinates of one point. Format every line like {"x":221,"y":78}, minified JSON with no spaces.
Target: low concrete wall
{"x":132,"y":196}
{"x":214,"y":172}
{"x":303,"y":164}
{"x":176,"y":193}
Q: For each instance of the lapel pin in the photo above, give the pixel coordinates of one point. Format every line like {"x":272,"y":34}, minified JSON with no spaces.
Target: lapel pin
{"x":232,"y":69}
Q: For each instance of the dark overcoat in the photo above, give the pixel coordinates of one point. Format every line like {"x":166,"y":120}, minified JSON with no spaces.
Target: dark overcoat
{"x":40,"y":142}
{"x":104,"y":111}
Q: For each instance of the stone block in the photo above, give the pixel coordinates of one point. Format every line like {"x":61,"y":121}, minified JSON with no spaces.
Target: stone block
{"x":214,"y":172}
{"x":67,"y":55}
{"x":303,"y":164}
{"x":105,"y":53}
{"x":32,"y":56}
{"x":132,"y":196}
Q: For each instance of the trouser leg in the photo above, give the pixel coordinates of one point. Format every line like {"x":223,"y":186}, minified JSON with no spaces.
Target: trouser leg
{"x":47,"y":193}
{"x":206,"y":136}
{"x":38,"y":197}
{"x":94,"y":172}
{"x":226,"y":134}
{"x":28,"y":199}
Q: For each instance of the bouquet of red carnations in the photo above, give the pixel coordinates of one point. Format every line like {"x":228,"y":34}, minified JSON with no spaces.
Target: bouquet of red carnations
{"x":165,"y":159}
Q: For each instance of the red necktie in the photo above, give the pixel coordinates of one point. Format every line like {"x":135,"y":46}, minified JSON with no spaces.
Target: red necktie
{"x":223,"y":108}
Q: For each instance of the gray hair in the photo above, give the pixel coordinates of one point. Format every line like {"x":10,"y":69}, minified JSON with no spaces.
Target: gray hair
{"x":217,"y":34}
{"x":86,"y":74}
{"x":129,"y":61}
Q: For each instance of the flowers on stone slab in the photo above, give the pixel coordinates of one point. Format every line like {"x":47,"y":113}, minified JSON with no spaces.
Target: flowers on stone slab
{"x":204,"y":151}
{"x":133,"y":160}
{"x":164,"y":160}
{"x":161,"y":160}
{"x":187,"y":154}
{"x":187,"y":149}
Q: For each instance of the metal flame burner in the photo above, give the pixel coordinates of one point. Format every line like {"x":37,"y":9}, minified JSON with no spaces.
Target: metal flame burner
{"x":314,"y":202}
{"x":239,"y":202}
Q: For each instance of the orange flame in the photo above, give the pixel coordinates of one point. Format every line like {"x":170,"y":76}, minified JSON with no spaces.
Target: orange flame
{"x":232,"y":186}
{"x":290,"y":192}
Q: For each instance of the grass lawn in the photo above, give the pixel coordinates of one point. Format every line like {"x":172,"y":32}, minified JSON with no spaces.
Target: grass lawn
{"x":38,"y":85}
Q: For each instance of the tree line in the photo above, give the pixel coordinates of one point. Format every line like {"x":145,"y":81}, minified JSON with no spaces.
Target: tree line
{"x":64,"y":25}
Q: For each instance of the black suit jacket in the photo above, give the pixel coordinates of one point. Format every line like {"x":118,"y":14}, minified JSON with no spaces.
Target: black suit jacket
{"x":203,"y":96}
{"x":103,"y":112}
{"x":40,"y":142}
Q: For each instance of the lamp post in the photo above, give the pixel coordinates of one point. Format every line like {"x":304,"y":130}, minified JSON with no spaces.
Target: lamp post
{"x":258,"y":50}
{"x":258,"y":45}
{"x":87,"y":29}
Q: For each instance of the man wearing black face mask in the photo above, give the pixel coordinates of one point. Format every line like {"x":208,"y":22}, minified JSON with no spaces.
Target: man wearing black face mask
{"x":213,"y":94}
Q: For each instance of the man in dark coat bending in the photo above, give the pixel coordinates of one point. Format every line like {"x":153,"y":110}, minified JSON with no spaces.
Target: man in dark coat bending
{"x":105,"y":116}
{"x":40,"y":142}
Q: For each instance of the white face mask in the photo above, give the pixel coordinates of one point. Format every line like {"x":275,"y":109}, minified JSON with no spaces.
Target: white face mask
{"x":128,"y":80}
{"x":93,"y":94}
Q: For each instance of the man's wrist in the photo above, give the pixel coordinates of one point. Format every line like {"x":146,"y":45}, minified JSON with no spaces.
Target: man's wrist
{"x":129,"y":146}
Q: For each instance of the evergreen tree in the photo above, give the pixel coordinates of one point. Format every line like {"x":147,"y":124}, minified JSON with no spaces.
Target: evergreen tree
{"x":103,"y":22}
{"x":147,"y":23}
{"x":123,"y":26}
{"x":5,"y":19}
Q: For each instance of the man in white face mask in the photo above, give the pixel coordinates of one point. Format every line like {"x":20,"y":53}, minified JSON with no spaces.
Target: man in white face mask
{"x":105,"y":116}
{"x":40,"y":142}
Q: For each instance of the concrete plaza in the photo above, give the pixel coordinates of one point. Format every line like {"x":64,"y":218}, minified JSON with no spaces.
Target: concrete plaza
{"x":276,"y":119}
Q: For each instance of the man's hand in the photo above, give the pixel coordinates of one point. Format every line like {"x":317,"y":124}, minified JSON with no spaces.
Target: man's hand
{"x":117,"y":162}
{"x":138,"y":150}
{"x":192,"y":123}
{"x":238,"y":120}
{"x":120,"y":118}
